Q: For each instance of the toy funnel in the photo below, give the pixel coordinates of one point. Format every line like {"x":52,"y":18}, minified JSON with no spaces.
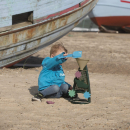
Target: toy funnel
{"x":82,"y":63}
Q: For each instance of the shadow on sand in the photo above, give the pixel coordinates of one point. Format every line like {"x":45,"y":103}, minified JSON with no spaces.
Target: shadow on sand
{"x":33,"y":90}
{"x":30,"y":62}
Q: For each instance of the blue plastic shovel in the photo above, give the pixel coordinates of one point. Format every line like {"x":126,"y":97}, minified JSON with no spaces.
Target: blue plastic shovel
{"x":75,"y":54}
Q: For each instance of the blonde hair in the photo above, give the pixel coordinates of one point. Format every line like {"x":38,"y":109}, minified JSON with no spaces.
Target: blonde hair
{"x":57,"y":47}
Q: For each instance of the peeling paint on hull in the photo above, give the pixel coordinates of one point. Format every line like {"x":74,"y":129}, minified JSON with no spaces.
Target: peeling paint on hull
{"x":20,"y":43}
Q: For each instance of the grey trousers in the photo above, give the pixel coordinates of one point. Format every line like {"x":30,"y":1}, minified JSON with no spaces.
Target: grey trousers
{"x":55,"y":91}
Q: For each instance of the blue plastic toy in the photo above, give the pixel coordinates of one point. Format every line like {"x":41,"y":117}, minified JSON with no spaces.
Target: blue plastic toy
{"x":75,"y":54}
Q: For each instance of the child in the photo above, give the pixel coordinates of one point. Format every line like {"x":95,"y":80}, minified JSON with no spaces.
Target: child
{"x":51,"y":79}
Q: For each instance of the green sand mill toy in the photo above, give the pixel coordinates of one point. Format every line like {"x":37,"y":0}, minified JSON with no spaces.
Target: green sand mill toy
{"x":81,"y":80}
{"x":81,"y":84}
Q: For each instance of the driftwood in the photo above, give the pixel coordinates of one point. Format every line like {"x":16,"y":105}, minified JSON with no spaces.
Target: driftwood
{"x":103,"y":29}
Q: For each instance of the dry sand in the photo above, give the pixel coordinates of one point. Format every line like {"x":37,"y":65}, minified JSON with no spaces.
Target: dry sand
{"x":109,"y":70}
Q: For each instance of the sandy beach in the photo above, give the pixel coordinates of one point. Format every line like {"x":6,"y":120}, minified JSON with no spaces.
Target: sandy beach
{"x":109,"y":71}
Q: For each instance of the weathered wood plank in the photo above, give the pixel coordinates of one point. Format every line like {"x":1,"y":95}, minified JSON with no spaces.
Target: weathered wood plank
{"x":5,"y":28}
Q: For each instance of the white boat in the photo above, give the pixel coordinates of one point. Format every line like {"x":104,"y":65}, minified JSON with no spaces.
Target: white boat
{"x":112,"y":15}
{"x":26,"y":26}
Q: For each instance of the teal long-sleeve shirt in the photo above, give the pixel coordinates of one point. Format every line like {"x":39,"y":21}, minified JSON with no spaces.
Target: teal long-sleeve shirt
{"x":52,"y":73}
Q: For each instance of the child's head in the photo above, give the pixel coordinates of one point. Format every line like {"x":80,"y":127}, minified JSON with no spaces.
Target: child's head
{"x":57,"y":49}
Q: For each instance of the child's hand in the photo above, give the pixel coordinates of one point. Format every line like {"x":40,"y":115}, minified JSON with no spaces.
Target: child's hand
{"x":70,"y":88}
{"x":65,"y":55}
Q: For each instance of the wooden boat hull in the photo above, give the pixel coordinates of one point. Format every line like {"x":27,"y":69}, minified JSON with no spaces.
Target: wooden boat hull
{"x":112,"y":14}
{"x":20,"y":43}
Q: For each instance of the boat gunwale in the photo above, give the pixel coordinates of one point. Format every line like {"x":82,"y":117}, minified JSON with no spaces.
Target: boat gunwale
{"x":45,"y":21}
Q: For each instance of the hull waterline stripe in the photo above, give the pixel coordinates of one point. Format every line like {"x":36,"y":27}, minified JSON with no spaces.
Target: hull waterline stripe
{"x":117,"y":21}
